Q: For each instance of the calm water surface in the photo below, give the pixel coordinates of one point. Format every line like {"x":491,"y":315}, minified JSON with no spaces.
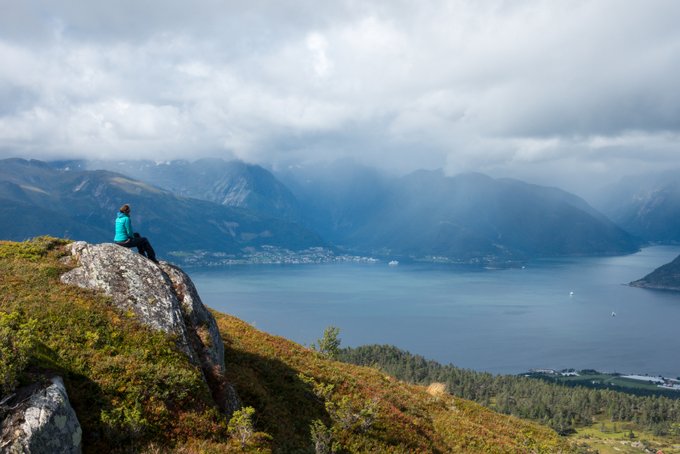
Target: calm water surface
{"x":502,"y":321}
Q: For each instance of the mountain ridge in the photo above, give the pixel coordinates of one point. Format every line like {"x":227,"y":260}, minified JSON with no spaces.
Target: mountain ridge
{"x":425,"y":215}
{"x":231,"y":183}
{"x":473,"y":215}
{"x":646,"y":205}
{"x":38,"y":199}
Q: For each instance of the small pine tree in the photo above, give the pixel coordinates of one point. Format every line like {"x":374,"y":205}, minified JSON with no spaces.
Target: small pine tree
{"x":241,"y":425}
{"x":347,"y":416}
{"x":329,"y":344}
{"x":322,"y":437}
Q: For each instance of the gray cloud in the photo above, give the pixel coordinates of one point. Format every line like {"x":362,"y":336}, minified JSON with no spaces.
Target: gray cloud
{"x":554,"y":91}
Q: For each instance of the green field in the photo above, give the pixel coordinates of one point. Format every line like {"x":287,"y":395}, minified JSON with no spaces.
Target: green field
{"x":622,"y":438}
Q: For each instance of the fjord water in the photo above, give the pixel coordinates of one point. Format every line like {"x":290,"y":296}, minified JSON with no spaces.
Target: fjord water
{"x":501,"y":321}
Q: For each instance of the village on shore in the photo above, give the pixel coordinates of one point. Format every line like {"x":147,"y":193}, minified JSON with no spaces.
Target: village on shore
{"x":659,"y":381}
{"x":268,"y":255}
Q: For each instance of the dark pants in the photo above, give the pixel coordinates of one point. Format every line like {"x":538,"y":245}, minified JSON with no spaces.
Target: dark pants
{"x":142,"y":244}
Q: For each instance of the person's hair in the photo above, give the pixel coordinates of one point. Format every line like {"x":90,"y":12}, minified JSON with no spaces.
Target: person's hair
{"x":125,"y":209}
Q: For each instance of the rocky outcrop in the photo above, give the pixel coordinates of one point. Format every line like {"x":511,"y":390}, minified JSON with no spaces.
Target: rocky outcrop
{"x":196,"y":316}
{"x":134,"y":284}
{"x":39,"y":419}
{"x":161,"y":296}
{"x":204,"y":334}
{"x":666,"y":277}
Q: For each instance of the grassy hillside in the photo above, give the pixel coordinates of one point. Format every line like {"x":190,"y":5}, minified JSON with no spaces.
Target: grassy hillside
{"x":600,"y":411}
{"x":128,"y":385}
{"x":134,"y":392}
{"x":265,"y":370}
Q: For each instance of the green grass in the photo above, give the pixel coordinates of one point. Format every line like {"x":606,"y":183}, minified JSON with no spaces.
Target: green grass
{"x":614,"y":438}
{"x":265,"y":370}
{"x":128,"y":385}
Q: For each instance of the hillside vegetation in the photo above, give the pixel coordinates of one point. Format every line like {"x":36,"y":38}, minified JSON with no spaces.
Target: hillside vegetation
{"x":134,"y":391}
{"x":128,"y":385}
{"x":564,"y":408}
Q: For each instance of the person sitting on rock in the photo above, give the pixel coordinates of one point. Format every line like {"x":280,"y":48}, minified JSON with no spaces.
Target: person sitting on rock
{"x":126,"y":238}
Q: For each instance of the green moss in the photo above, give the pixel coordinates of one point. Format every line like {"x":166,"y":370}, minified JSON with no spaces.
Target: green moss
{"x":16,"y":344}
{"x":32,"y":250}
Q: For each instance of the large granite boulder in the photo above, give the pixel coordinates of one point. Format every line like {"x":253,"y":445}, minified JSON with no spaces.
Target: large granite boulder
{"x":161,"y":296}
{"x":133,"y":282}
{"x":39,"y":419}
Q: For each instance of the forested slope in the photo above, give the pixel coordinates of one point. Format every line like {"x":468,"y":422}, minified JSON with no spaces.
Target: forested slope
{"x":560,"y":407}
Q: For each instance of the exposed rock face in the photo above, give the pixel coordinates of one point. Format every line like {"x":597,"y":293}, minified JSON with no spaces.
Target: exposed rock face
{"x":204,"y":334}
{"x":161,"y":296}
{"x":197,"y":316}
{"x":133,"y":282}
{"x":41,"y":420}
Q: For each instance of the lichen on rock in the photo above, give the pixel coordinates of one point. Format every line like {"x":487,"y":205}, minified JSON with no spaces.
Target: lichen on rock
{"x":197,"y":316}
{"x":40,"y":419}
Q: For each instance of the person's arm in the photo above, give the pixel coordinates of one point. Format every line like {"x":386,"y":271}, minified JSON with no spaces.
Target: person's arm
{"x":128,"y":227}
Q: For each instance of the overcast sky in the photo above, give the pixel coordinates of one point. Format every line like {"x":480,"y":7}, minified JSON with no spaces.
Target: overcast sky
{"x":561,"y":92}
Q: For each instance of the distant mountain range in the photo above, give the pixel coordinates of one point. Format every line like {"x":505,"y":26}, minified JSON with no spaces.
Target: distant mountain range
{"x":338,"y":199}
{"x":647,"y":206}
{"x":230,"y":183}
{"x":468,"y":216}
{"x":424,"y":215}
{"x":37,"y":199}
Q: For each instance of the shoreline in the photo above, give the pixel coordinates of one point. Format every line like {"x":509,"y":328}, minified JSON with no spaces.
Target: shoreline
{"x":597,"y":379}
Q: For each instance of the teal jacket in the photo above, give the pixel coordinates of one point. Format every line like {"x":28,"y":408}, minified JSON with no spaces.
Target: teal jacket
{"x":123,"y":228}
